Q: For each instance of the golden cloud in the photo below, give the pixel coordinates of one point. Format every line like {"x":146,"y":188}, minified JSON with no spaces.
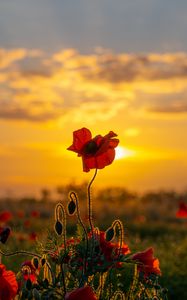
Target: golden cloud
{"x":68,"y":85}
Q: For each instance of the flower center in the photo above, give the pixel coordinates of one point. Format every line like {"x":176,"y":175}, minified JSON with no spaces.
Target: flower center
{"x":90,"y":148}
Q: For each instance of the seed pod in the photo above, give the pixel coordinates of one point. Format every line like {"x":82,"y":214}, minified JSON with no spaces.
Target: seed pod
{"x":109,"y":234}
{"x":35,"y":262}
{"x":71,"y":207}
{"x":58,"y":227}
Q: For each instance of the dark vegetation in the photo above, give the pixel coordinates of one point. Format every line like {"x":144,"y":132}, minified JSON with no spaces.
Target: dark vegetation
{"x":149,"y":220}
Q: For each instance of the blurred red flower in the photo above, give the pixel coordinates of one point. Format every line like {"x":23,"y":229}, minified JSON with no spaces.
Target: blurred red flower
{"x":5,"y":216}
{"x":84,"y":293}
{"x":147,"y":262}
{"x":182,"y":211}
{"x":8,"y":284}
{"x":97,"y":152}
{"x":32,"y":236}
{"x":27,"y":223}
{"x":35,"y":214}
{"x":4,"y":234}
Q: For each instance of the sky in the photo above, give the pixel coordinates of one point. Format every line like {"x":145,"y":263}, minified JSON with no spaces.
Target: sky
{"x":104,"y":65}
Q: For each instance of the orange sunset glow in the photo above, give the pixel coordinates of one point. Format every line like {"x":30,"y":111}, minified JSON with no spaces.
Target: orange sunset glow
{"x":42,"y":106}
{"x":48,"y":91}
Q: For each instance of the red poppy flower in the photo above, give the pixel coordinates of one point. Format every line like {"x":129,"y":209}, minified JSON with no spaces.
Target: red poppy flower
{"x":110,"y":250}
{"x":29,"y":271}
{"x":147,"y":262}
{"x":8,"y":284}
{"x":4,"y":234}
{"x":5,"y":216}
{"x":84,"y":293}
{"x":97,"y":152}
{"x":182,"y":211}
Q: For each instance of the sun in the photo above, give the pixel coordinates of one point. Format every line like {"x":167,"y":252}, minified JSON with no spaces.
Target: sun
{"x":122,"y":152}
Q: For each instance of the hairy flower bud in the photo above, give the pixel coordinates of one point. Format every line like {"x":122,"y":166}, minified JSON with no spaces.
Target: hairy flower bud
{"x":71,"y":207}
{"x":109,"y":234}
{"x":58,"y":227}
{"x":35,"y":262}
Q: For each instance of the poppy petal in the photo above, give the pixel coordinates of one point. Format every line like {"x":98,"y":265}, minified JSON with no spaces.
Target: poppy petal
{"x":8,"y":284}
{"x":80,"y":138}
{"x":84,"y":293}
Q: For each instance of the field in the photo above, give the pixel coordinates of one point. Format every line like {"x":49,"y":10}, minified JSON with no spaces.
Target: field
{"x":149,"y":220}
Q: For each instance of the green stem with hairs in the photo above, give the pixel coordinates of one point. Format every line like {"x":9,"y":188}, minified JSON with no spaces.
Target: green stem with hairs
{"x":73,"y":196}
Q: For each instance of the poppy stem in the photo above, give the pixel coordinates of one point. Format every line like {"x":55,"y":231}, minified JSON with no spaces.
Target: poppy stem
{"x":90,"y":202}
{"x":63,"y":279}
{"x":73,"y":196}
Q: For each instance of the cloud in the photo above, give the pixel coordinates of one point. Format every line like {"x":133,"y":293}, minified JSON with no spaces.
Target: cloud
{"x":23,"y":114}
{"x":9,"y":57}
{"x":165,"y":102}
{"x":128,"y":67}
{"x":175,"y":108}
{"x":68,"y":86}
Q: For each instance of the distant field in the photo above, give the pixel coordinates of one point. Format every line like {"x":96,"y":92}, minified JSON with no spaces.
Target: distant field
{"x":148,"y":221}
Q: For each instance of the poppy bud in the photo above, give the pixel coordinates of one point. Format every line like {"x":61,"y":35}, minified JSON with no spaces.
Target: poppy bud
{"x":35,"y":262}
{"x":29,"y":284}
{"x":4,"y":234}
{"x":45,"y":283}
{"x":71,"y":207}
{"x":58,"y":227}
{"x":43,"y":261}
{"x":109,"y":234}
